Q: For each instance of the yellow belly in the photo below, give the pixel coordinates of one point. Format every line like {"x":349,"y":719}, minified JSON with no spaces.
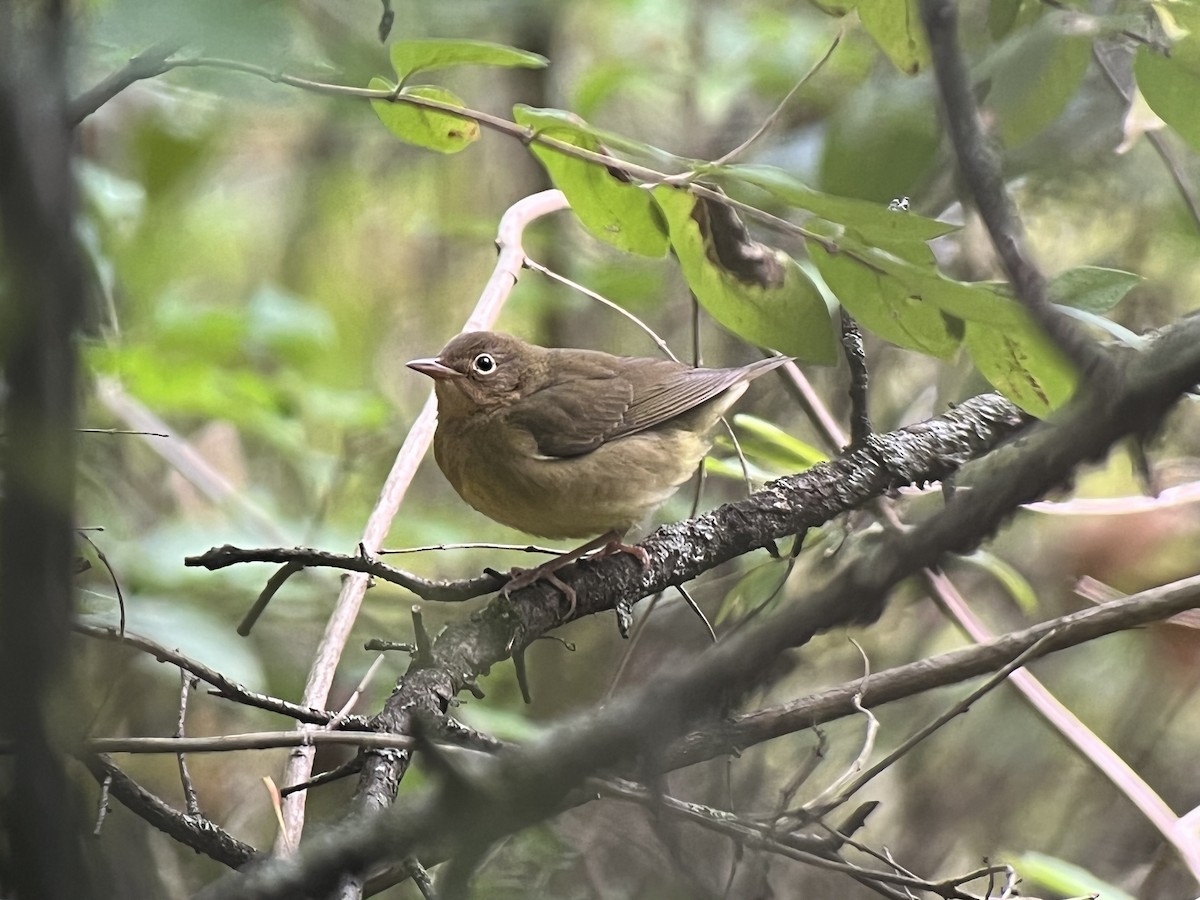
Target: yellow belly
{"x":497,"y":471}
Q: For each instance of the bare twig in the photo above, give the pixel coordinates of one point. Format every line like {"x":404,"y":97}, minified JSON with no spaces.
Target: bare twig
{"x":856,"y":358}
{"x":848,"y":790}
{"x":535,"y":266}
{"x":342,"y":713}
{"x":251,"y":740}
{"x":197,"y":832}
{"x":295,"y":558}
{"x":1175,"y":167}
{"x":837,"y":702}
{"x":113,"y":575}
{"x":695,"y":607}
{"x":770,"y":120}
{"x":187,"y":681}
{"x":270,"y":589}
{"x":147,"y":64}
{"x":226,"y":687}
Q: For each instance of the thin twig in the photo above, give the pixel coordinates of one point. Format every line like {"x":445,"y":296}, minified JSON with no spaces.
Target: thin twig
{"x":225,"y":687}
{"x":344,"y":712}
{"x":147,"y":64}
{"x":160,"y":434}
{"x":535,"y":266}
{"x":251,"y":740}
{"x":302,"y":557}
{"x":270,"y":589}
{"x":695,"y":607}
{"x":778,"y":111}
{"x":473,"y":545}
{"x":846,"y":792}
{"x":102,"y":806}
{"x":111,"y":574}
{"x":856,"y":359}
{"x":187,"y":681}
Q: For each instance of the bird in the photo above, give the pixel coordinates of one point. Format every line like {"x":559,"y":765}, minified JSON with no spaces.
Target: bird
{"x":571,"y":443}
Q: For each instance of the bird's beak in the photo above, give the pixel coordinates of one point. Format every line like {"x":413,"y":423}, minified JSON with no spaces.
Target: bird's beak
{"x":432,"y":367}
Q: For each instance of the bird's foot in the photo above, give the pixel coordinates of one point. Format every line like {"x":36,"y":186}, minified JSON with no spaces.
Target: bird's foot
{"x":522,"y":578}
{"x":605,"y":545}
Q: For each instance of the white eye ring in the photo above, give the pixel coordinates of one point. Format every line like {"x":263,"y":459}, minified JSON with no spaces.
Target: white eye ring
{"x":484,"y":364}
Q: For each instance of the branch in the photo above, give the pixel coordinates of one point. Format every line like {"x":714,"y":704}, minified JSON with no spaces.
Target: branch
{"x":740,"y":732}
{"x":226,"y":687}
{"x":979,"y":165}
{"x":518,"y":788}
{"x":42,"y":293}
{"x":253,"y":740}
{"x":147,"y":64}
{"x":426,"y":589}
{"x":197,"y":832}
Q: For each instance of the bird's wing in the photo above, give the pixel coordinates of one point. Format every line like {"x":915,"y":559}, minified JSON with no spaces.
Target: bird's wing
{"x":591,"y":402}
{"x":659,"y":400}
{"x":582,"y":401}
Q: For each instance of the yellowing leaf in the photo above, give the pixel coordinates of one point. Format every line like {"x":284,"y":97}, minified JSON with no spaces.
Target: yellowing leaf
{"x":432,"y":129}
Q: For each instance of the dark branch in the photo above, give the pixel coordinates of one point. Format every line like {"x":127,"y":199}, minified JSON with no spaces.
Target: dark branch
{"x":979,"y":164}
{"x":226,"y":687}
{"x":432,"y":591}
{"x":147,"y":64}
{"x":856,"y":358}
{"x":739,"y":732}
{"x":42,"y":294}
{"x":197,"y":832}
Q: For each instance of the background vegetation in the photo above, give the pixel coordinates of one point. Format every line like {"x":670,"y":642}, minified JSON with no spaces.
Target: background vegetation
{"x":261,"y":259}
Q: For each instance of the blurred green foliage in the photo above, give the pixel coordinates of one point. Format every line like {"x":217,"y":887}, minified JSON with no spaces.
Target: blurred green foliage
{"x":266,"y":259}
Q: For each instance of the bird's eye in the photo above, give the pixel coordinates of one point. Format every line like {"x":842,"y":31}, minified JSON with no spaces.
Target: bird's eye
{"x":484,"y":364}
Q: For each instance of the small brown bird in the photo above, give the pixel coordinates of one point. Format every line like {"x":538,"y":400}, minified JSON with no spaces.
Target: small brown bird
{"x":571,"y":443}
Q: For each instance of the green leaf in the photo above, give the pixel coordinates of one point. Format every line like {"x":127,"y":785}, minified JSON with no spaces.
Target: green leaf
{"x":1064,"y":878}
{"x":872,"y":222}
{"x":770,"y":302}
{"x":1016,"y":584}
{"x":609,"y":206}
{"x":974,"y":302}
{"x":773,"y":447}
{"x":1171,"y":85}
{"x":1092,"y":288}
{"x":896,"y":27}
{"x":1034,"y":75}
{"x":835,"y":7}
{"x":410,"y":57}
{"x":1002,"y":15}
{"x":1023,"y":364}
{"x":883,"y":141}
{"x":882,"y":304}
{"x":428,"y":128}
{"x":545,"y":119}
